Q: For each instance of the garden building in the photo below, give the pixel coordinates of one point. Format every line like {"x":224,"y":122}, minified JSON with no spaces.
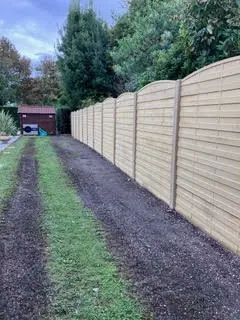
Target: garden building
{"x":37,"y":120}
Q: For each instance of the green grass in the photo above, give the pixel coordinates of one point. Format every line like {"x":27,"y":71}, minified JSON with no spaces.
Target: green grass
{"x":9,"y":161}
{"x":87,"y":284}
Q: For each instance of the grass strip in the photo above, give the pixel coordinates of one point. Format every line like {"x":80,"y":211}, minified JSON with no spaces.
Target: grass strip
{"x":9,"y":162}
{"x":84,"y":276}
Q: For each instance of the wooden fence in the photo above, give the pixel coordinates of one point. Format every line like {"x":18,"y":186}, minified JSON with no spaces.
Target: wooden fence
{"x":181,"y":141}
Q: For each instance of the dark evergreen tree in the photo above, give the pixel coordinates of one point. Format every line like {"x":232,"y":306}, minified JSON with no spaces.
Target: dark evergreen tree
{"x":83,"y":57}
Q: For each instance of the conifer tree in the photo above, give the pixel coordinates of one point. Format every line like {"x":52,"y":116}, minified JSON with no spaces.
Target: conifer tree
{"x":83,"y":57}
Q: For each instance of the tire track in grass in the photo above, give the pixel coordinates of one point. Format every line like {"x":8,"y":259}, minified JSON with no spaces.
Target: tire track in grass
{"x":83,"y":273}
{"x":9,"y":162}
{"x":24,"y":284}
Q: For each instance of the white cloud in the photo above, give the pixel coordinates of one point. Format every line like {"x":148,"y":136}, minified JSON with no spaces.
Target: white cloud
{"x":1,"y":22}
{"x":30,"y":39}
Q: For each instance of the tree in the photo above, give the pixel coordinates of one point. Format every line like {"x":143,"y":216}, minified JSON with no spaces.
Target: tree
{"x":48,"y":77}
{"x":213,"y":27}
{"x":83,"y":57}
{"x":14,"y":69}
{"x":169,"y":39}
{"x":44,"y":88}
{"x":153,"y":28}
{"x":31,"y":91}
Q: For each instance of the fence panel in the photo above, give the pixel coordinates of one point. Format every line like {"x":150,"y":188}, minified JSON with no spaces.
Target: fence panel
{"x":208,"y":167}
{"x":155,"y":107}
{"x":185,"y":138}
{"x":75,"y":125}
{"x":85,"y":126}
{"x":98,"y":127}
{"x":124,"y":158}
{"x":108,"y":128}
{"x":78,"y":125}
{"x":90,"y":126}
{"x":72,"y":124}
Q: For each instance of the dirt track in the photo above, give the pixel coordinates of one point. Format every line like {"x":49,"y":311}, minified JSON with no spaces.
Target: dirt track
{"x":23,"y":281}
{"x":175,"y":268}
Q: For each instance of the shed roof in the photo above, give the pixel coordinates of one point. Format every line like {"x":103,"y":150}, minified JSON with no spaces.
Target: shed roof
{"x":36,"y":109}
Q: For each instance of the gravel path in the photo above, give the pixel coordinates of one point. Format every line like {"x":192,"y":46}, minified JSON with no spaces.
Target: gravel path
{"x":23,"y":282}
{"x":174,"y":267}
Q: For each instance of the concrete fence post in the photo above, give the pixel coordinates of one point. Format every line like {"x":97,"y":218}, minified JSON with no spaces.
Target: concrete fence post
{"x":114,"y":130}
{"x":134,"y":150}
{"x":176,"y":119}
{"x":102,"y":129}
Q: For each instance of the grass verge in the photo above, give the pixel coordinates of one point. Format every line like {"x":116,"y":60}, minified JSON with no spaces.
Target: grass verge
{"x":85,"y":279}
{"x":9,"y":161}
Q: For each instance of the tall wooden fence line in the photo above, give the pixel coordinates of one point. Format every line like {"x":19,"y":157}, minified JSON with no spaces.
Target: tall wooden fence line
{"x":181,"y":141}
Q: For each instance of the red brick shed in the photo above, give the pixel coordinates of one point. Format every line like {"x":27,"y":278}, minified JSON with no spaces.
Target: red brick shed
{"x":38,"y":117}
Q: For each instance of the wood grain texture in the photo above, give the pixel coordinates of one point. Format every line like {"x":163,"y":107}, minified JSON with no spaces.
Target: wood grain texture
{"x":90,"y":126}
{"x":108,"y":129}
{"x":85,"y":125}
{"x":98,"y":127}
{"x":154,"y":137}
{"x":125,"y":132}
{"x":208,"y":175}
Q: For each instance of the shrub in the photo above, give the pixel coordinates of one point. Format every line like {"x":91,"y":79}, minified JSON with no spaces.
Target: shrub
{"x":7,"y":125}
{"x":13,"y":112}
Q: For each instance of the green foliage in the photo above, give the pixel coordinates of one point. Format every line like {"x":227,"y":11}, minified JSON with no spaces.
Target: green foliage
{"x":86,"y":284}
{"x":44,"y":88}
{"x":84,"y":62}
{"x":153,"y":28}
{"x":63,"y":118}
{"x":169,"y":39}
{"x":8,"y":174}
{"x":213,"y":28}
{"x":7,"y":125}
{"x":14,"y":69}
{"x":13,"y":112}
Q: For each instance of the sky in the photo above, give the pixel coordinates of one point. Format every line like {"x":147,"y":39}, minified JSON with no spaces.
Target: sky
{"x":32,"y":25}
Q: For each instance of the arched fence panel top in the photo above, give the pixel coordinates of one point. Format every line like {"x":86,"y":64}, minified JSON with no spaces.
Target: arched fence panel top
{"x":126,"y":100}
{"x":157,"y":91}
{"x":98,"y":105}
{"x":109,"y":103}
{"x":125,"y":96}
{"x":160,"y":85}
{"x":214,"y":71}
